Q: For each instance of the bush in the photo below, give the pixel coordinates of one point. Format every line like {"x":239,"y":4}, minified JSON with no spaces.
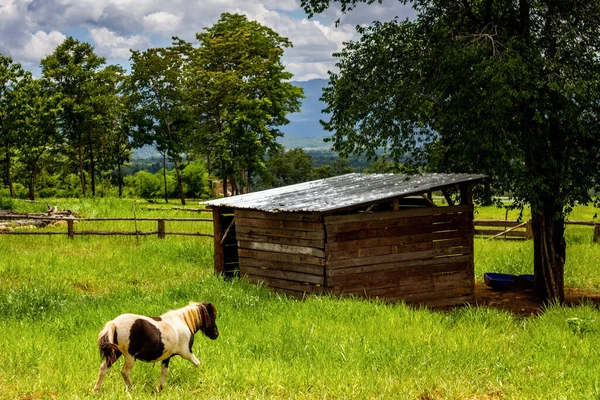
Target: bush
{"x":195,"y":179}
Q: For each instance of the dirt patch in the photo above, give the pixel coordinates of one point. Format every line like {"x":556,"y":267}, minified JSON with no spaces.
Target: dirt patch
{"x":522,"y":302}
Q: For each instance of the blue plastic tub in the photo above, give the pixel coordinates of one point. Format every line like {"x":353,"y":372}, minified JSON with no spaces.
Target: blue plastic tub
{"x":498,"y":281}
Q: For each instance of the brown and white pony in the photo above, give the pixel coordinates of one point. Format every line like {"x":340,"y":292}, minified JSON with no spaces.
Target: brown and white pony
{"x":153,"y":339}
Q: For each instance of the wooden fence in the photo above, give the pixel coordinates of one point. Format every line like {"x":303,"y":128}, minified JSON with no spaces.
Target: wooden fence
{"x":490,"y":228}
{"x":515,"y":230}
{"x":71,"y":232}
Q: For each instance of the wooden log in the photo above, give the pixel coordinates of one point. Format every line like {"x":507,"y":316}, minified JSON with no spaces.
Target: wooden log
{"x":493,"y":232}
{"x":281,"y":257}
{"x":298,"y":277}
{"x":597,"y":234}
{"x":188,"y":234}
{"x":29,"y":233}
{"x":585,"y":223}
{"x":495,"y":222}
{"x":113,"y":233}
{"x":281,"y":248}
{"x":507,"y":231}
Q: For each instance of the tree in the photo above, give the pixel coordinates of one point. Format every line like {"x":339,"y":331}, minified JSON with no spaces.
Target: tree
{"x":162,"y":115}
{"x":287,"y":167}
{"x":507,"y":88}
{"x":113,"y":123}
{"x":240,"y":93}
{"x":35,"y":122}
{"x":72,"y":69}
{"x":10,"y":74}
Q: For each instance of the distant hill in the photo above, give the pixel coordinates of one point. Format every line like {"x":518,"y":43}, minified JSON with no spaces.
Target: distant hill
{"x":304,"y":129}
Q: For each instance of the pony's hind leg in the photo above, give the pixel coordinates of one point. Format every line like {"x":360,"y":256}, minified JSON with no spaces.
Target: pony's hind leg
{"x":126,"y":371}
{"x":103,"y":370}
{"x":163,"y":373}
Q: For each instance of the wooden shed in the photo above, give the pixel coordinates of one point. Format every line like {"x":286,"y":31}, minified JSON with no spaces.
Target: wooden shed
{"x":372,"y":235}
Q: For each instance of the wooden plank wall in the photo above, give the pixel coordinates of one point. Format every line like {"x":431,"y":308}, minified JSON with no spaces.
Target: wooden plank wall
{"x":422,"y":255}
{"x":285,"y":251}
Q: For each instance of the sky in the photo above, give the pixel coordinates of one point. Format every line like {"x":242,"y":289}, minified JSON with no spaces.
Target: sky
{"x":32,"y":29}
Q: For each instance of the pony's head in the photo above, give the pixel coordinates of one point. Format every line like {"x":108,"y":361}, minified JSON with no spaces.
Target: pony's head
{"x":208,"y":313}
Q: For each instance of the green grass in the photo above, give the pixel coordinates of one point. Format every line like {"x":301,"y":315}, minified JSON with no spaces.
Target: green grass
{"x":57,"y":293}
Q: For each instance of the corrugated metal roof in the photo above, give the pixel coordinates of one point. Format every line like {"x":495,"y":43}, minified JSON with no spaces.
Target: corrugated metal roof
{"x":343,"y":191}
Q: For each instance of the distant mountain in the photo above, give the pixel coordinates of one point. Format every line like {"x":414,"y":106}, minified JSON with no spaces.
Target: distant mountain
{"x":304,"y":129}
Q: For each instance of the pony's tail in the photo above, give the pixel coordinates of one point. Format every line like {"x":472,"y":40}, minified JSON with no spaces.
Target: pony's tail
{"x":106,"y":343}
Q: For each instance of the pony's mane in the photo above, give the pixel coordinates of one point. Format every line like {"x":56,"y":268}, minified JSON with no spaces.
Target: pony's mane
{"x":190,"y":314}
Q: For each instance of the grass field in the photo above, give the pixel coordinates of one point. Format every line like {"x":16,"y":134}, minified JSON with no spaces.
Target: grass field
{"x":57,"y":293}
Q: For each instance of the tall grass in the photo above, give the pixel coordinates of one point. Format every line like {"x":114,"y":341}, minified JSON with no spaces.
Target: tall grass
{"x":56,"y":294}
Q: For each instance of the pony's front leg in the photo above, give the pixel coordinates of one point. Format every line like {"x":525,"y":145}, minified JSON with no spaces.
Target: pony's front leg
{"x":103,"y":370}
{"x":191,"y":358}
{"x":126,"y":371}
{"x":163,"y":373}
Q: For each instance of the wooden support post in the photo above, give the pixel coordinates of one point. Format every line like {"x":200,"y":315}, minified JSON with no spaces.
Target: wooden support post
{"x":448,"y":197}
{"x":219,"y":230}
{"x":466,"y":194}
{"x":396,"y":205}
{"x":70,"y":231}
{"x":529,"y":230}
{"x":161,"y":229}
{"x":597,"y":233}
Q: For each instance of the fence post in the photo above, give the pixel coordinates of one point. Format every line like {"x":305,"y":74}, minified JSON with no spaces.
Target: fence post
{"x":529,"y":230}
{"x":161,"y":229}
{"x":597,"y":233}
{"x":70,"y":232}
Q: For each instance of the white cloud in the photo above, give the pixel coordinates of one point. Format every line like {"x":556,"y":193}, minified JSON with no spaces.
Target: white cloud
{"x":162,"y":23}
{"x":115,"y":26}
{"x":39,"y":45}
{"x":111,"y":45}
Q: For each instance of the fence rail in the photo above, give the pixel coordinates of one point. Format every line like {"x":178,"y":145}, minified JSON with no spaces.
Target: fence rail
{"x":515,"y":230}
{"x":161,"y":231}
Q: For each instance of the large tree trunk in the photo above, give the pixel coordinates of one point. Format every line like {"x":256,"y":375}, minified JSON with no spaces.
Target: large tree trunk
{"x":92,"y":164}
{"x":179,"y":184}
{"x":81,"y":174}
{"x":31,"y":185}
{"x":8,"y":173}
{"x":549,"y":251}
{"x":165,"y":176}
{"x":120,"y":176}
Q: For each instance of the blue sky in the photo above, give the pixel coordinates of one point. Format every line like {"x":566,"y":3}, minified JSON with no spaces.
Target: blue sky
{"x":31,"y":29}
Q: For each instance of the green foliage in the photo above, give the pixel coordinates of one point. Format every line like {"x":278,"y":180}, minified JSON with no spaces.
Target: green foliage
{"x":286,"y":168}
{"x":239,"y":93}
{"x":195,"y":179}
